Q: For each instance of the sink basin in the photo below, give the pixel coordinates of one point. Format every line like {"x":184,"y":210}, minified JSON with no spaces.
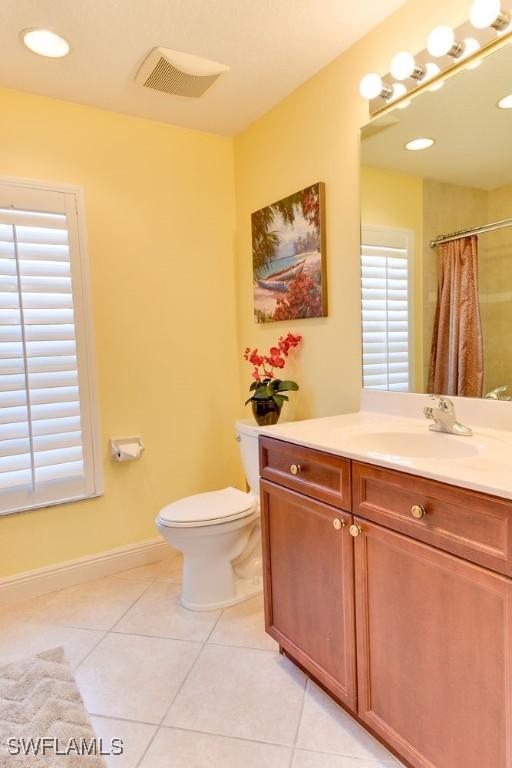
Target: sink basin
{"x":413,"y":445}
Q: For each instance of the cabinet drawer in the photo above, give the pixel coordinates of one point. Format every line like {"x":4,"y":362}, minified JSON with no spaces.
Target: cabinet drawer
{"x":313,"y":473}
{"x":468,"y":524}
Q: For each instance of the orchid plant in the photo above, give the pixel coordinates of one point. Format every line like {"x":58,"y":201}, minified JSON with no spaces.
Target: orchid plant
{"x":266,"y":385}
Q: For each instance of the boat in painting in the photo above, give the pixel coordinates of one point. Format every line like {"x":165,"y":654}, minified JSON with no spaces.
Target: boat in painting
{"x":279,"y":281}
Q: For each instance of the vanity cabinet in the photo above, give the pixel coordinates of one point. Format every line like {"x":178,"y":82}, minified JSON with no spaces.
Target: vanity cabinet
{"x":309,"y":586}
{"x":399,"y":603}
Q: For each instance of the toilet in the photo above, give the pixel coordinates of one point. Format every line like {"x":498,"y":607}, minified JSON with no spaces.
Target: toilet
{"x":219,"y":535}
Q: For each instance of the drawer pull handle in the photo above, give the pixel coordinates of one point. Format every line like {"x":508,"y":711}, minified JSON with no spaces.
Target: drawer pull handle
{"x":338,"y":524}
{"x":295,"y":469}
{"x":355,"y":531}
{"x":418,"y":512}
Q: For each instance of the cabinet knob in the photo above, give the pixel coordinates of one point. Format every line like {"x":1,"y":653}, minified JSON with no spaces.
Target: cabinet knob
{"x":418,"y":511}
{"x":355,"y":530}
{"x":338,"y":524}
{"x":295,"y":469}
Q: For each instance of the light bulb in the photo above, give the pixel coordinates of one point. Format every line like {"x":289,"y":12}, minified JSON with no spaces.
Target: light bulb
{"x":441,"y":41}
{"x":485,"y":13}
{"x":399,"y":90}
{"x":402,"y":65}
{"x":418,"y":144}
{"x":431,"y":70}
{"x":45,"y":43}
{"x":505,"y":102}
{"x":371,"y":86}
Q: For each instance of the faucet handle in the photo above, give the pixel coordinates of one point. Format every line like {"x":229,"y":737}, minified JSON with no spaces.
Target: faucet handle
{"x":444,"y":403}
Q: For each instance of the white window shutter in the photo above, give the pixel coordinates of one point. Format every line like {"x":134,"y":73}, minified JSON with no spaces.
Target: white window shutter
{"x":47,"y":402}
{"x":386,"y":269}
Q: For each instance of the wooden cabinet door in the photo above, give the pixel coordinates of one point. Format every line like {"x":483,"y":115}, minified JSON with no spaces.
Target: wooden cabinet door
{"x":434,"y":647}
{"x":309,"y":586}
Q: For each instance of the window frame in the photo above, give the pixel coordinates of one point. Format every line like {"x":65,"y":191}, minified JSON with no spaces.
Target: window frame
{"x":410,"y":236}
{"x":82,"y":308}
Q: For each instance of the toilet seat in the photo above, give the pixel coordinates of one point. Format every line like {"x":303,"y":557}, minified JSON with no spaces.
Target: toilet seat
{"x":210,"y":508}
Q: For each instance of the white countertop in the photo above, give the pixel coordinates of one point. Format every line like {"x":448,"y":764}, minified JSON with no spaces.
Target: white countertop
{"x":485,"y":463}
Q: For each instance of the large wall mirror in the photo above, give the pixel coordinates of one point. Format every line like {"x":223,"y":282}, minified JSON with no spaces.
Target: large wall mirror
{"x":436,"y":212}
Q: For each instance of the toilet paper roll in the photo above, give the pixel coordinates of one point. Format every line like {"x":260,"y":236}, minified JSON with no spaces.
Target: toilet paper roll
{"x":129,"y":452}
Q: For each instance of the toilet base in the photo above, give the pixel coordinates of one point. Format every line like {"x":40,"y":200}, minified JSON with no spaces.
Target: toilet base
{"x":244,"y":590}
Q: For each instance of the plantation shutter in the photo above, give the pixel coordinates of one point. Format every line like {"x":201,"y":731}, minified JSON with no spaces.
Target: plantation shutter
{"x":386,"y":310}
{"x":46,"y":403}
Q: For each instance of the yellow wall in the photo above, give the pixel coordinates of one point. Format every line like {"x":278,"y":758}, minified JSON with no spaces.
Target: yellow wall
{"x":160,"y":216}
{"x":313,"y":136}
{"x":395,"y":200}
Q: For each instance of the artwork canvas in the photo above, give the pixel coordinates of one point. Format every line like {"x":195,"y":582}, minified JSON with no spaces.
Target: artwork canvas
{"x":288,"y":252}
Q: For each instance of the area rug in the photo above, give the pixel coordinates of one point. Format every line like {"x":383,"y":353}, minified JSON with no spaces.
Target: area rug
{"x":43,"y":721}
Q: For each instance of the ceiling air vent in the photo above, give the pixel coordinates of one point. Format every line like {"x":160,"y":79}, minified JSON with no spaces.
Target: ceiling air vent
{"x":180,"y":74}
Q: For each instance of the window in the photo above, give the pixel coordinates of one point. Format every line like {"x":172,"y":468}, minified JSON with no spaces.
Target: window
{"x":386,"y":276}
{"x":48,"y":419}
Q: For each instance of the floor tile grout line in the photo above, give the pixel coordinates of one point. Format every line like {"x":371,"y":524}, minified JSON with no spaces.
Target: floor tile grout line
{"x":100,"y":640}
{"x":250,"y":739}
{"x":299,"y":721}
{"x":121,"y":617}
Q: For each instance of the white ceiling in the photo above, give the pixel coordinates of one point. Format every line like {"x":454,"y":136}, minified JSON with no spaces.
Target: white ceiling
{"x":271,"y":46}
{"x":472,"y":135}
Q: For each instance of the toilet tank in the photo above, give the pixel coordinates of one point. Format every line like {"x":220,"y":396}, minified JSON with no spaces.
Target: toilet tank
{"x":247,"y":435}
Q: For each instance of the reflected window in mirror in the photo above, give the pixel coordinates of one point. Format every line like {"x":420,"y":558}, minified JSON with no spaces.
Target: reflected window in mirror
{"x":387,"y":257}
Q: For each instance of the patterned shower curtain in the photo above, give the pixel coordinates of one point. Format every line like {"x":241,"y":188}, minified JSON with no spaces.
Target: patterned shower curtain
{"x":457,"y":358}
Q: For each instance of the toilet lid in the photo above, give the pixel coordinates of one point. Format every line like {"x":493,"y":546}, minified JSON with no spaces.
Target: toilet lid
{"x":208,"y":508}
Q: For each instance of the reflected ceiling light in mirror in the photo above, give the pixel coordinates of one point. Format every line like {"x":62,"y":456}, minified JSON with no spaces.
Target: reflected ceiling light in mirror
{"x":442,"y":42}
{"x":416,"y":145}
{"x":45,"y":43}
{"x":488,"y":13}
{"x":371,"y":87}
{"x":505,"y":102}
{"x":403,"y":66}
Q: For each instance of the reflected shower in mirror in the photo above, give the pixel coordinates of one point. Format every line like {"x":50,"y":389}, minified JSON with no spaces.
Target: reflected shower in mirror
{"x":437,"y":238}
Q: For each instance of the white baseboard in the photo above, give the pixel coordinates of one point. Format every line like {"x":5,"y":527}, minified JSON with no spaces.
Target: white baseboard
{"x":29,"y":584}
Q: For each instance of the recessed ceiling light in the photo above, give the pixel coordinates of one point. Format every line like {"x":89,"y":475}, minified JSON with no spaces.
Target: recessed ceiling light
{"x":416,"y":144}
{"x":505,"y":102}
{"x":45,"y":43}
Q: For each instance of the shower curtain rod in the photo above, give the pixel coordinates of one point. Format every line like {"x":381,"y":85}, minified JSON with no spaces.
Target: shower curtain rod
{"x":474,"y":231}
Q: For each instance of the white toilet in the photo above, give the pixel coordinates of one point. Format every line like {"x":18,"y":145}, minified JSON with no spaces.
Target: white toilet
{"x":220,"y":537}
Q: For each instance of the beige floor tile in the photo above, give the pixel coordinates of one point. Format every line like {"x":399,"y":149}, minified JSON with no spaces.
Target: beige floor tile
{"x":153,"y":570}
{"x":244,"y":625}
{"x":159,"y":612}
{"x":241,"y":692}
{"x":325,"y":727}
{"x":182,"y":749}
{"x":171,"y":569}
{"x":92,"y":605}
{"x":20,"y":639}
{"x":133,"y":677}
{"x":303,"y":759}
{"x":135,"y":738}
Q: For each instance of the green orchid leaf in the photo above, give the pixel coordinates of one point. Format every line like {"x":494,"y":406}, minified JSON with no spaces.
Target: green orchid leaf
{"x":249,"y":400}
{"x":278,"y":400}
{"x":263,"y":393}
{"x":254,"y":385}
{"x":285,"y":386}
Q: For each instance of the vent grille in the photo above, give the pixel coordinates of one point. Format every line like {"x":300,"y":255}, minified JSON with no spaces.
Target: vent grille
{"x":178,"y":74}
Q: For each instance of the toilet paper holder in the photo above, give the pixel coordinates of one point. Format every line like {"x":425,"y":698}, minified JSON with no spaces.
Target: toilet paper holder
{"x":126,"y":448}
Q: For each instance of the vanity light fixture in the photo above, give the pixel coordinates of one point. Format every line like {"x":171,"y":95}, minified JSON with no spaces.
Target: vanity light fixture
{"x":488,"y":13}
{"x":45,"y":43}
{"x":442,"y":42}
{"x":505,"y":102}
{"x":371,"y":87}
{"x":416,"y":145}
{"x":404,"y":66}
{"x":399,"y":90}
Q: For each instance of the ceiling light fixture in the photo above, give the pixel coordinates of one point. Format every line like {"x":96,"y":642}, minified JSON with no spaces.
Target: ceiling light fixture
{"x":404,"y":66}
{"x":488,"y":13}
{"x":45,"y":43}
{"x":442,"y":42}
{"x":418,"y":144}
{"x":371,"y":87}
{"x":505,"y":102}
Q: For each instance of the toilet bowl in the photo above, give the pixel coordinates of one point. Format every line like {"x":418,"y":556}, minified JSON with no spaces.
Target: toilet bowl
{"x":220,"y":537}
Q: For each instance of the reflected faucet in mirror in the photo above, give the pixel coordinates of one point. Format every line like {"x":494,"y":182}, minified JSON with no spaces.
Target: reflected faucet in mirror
{"x":444,"y":418}
{"x":498,"y":394}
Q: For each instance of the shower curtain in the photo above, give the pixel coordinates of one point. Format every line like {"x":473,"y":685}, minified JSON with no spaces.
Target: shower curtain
{"x":457,"y":358}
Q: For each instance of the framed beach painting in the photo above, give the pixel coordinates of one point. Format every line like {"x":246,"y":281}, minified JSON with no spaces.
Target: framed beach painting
{"x":288,"y":254}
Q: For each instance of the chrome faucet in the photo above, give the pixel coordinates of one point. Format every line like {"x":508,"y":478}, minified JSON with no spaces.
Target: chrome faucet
{"x":444,"y":418}
{"x":498,"y":394}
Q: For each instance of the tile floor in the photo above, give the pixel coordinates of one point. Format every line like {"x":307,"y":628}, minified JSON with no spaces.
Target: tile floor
{"x":182,"y":689}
